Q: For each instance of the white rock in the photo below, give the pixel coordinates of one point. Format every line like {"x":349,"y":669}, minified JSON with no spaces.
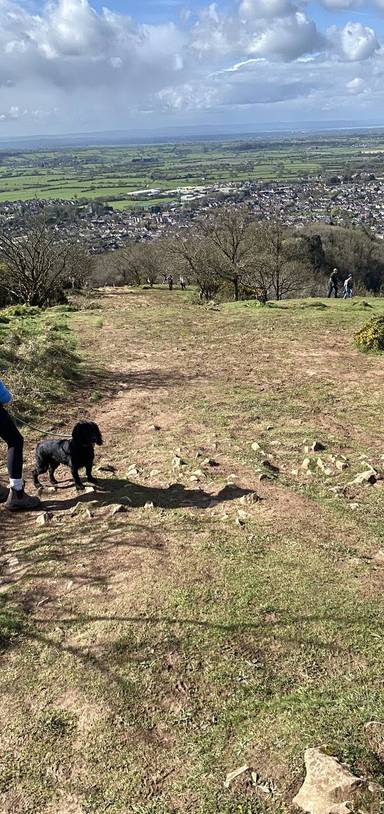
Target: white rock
{"x":328,"y":786}
{"x":44,"y":519}
{"x":231,"y":776}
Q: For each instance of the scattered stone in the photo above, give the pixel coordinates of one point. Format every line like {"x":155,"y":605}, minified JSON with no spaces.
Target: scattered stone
{"x":198,"y":472}
{"x":353,"y":506}
{"x":154,"y":472}
{"x":318,"y":446}
{"x":89,"y":489}
{"x":328,"y":786}
{"x":177,"y":462}
{"x":133,"y":472}
{"x":76,"y":509}
{"x":307,"y":463}
{"x":209,"y":462}
{"x":117,"y":508}
{"x":194,"y":479}
{"x":379,"y":556}
{"x":263,"y":476}
{"x":341,"y":465}
{"x":321,"y":465}
{"x":149,"y":505}
{"x":369,"y":477}
{"x":231,"y":776}
{"x":155,"y":427}
{"x":252,"y":497}
{"x":255,"y":446}
{"x":240,"y":521}
{"x":338,"y":490}
{"x":270,"y":466}
{"x":89,"y":514}
{"x":43,"y":519}
{"x":107,"y":468}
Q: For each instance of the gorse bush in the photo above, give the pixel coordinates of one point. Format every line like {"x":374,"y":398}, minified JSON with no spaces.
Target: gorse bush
{"x":371,"y":336}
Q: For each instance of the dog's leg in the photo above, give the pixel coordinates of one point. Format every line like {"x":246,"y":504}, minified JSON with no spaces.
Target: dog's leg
{"x":52,"y":470}
{"x":35,"y":479}
{"x":76,"y":478}
{"x":89,"y":475}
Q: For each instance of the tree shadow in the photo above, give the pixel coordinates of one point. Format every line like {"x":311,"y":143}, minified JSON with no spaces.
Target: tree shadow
{"x":175,"y":496}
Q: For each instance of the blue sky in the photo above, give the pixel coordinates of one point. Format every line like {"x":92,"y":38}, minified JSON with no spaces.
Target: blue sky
{"x":150,"y":66}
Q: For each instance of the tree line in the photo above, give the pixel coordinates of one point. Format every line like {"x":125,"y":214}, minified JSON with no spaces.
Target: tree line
{"x":238,"y":255}
{"x":230,"y":253}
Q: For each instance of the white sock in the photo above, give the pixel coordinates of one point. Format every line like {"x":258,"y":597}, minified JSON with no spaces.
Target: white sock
{"x":16,"y":483}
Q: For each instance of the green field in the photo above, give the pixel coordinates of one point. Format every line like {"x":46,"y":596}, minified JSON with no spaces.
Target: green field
{"x":114,"y":173}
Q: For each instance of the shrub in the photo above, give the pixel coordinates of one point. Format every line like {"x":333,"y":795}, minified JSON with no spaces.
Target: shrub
{"x":371,"y":337}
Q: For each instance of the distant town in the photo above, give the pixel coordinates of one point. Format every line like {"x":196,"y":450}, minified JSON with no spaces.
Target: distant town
{"x":356,"y":200}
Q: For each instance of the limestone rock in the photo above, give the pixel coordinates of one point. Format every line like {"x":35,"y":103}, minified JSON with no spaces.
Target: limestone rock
{"x":43,"y":519}
{"x":369,"y":476}
{"x":255,"y":446}
{"x":117,"y":508}
{"x":149,"y":505}
{"x":306,"y":464}
{"x":133,"y":472}
{"x":328,"y":786}
{"x":252,"y":497}
{"x":341,"y":465}
{"x":177,"y":462}
{"x":231,"y":776}
{"x":322,"y":466}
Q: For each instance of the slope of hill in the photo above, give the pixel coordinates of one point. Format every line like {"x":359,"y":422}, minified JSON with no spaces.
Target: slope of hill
{"x":218,"y":601}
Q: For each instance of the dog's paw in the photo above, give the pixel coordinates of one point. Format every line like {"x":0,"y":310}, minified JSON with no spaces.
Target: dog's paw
{"x":80,"y":487}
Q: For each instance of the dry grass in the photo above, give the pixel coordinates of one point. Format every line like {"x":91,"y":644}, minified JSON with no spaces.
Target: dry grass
{"x":148,"y":654}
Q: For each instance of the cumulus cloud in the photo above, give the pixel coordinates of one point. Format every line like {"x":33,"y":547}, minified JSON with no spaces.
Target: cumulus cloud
{"x":354,"y":42}
{"x":287,"y":38}
{"x":71,"y":66}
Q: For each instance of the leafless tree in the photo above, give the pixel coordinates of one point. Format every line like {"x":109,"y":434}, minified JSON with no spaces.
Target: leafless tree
{"x":279,"y":265}
{"x":38,"y":265}
{"x":230,"y":233}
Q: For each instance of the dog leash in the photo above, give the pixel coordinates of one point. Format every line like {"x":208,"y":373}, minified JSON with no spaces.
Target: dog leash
{"x":32,"y":427}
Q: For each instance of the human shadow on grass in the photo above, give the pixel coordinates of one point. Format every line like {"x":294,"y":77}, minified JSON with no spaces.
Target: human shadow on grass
{"x":176,"y":496}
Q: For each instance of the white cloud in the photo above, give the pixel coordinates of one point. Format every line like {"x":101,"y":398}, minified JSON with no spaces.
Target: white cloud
{"x":72,"y":67}
{"x":354,"y":42}
{"x":267,"y":9}
{"x":287,"y":38}
{"x":341,"y":5}
{"x":356,"y":86}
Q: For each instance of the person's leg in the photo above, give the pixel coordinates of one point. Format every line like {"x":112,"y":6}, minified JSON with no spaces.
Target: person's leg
{"x":14,"y":440}
{"x":330,"y":290}
{"x":17,"y":499}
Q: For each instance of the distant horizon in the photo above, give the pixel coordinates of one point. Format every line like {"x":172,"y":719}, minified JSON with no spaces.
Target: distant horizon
{"x":177,"y":133}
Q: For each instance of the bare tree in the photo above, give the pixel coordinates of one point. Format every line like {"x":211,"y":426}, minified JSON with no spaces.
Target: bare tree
{"x":279,"y":266}
{"x":136,"y":263}
{"x":37,"y":266}
{"x":231,"y":234}
{"x":191,"y":254}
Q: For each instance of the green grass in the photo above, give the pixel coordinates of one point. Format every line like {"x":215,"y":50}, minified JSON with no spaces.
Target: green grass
{"x":147,"y":655}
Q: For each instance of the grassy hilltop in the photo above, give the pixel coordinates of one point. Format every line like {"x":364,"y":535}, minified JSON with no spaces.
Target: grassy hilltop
{"x":146,"y":654}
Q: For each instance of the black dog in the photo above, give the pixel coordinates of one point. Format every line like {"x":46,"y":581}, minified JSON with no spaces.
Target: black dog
{"x":76,"y":453}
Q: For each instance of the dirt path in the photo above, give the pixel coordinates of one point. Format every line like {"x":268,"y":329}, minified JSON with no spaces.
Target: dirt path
{"x":145,"y":636}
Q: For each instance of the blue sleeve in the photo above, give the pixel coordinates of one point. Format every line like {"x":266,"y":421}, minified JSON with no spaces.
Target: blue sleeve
{"x":5,"y":396}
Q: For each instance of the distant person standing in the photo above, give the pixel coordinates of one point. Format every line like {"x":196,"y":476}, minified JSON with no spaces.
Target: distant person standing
{"x":348,"y":288}
{"x":170,"y":282}
{"x":333,"y":283}
{"x":183,"y":283}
